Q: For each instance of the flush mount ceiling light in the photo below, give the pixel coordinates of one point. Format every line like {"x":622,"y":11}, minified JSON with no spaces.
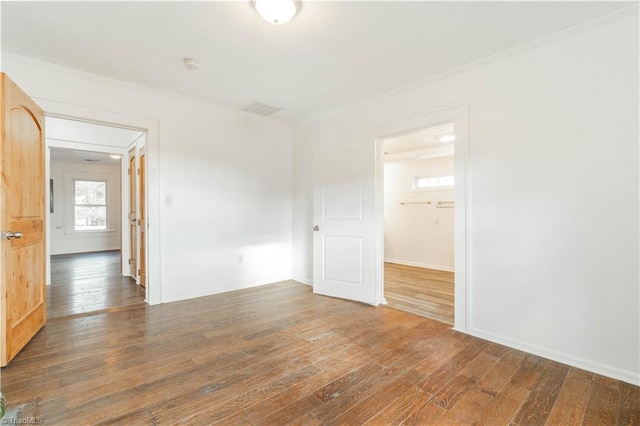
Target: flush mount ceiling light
{"x":276,"y":12}
{"x":447,"y":138}
{"x":115,"y":156}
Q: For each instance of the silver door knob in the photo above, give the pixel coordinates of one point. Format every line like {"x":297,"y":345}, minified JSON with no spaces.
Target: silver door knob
{"x":316,"y":228}
{"x":11,"y":235}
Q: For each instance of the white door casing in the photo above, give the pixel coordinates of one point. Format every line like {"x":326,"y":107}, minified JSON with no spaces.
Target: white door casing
{"x":79,"y":112}
{"x":459,"y":115}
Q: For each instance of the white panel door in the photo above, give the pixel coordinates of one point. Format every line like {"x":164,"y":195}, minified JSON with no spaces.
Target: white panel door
{"x":344,"y":237}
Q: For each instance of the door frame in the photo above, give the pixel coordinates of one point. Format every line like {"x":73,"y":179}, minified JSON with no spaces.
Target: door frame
{"x":132,"y":156}
{"x":459,"y":115}
{"x":152,"y":128}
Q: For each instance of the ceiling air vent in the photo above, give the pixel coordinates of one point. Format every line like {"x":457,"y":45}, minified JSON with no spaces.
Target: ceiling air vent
{"x":260,"y":108}
{"x":91,"y":160}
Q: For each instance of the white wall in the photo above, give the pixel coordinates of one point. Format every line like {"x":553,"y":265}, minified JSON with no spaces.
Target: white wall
{"x":63,"y":238}
{"x":227,"y":172}
{"x":418,"y":234}
{"x":553,"y":188}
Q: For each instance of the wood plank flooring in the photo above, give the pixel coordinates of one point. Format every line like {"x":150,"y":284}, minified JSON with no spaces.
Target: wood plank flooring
{"x":280,"y":355}
{"x":421,"y":291}
{"x":89,"y":282}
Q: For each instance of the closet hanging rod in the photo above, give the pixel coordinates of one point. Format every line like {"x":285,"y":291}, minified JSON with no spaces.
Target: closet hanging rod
{"x":445,"y":205}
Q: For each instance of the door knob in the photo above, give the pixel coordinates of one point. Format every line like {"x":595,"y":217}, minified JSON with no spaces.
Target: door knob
{"x":11,"y":235}
{"x":316,"y":228}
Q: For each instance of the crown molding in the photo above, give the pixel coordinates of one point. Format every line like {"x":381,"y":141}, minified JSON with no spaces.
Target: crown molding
{"x":559,"y":35}
{"x":131,"y":86}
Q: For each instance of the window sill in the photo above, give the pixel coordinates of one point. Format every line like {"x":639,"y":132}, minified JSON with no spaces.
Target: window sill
{"x":91,"y":232}
{"x":436,"y":188}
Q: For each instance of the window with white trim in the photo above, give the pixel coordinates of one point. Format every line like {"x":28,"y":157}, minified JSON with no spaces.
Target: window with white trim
{"x":421,"y":183}
{"x":90,"y":205}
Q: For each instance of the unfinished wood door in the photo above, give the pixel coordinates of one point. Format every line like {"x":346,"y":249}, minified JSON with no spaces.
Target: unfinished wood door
{"x":133,"y":226}
{"x":142,"y":221}
{"x":22,"y":216}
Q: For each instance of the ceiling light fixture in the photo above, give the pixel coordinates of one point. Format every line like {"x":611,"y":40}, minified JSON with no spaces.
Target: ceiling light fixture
{"x":115,"y":156}
{"x":276,"y":12}
{"x":447,"y":138}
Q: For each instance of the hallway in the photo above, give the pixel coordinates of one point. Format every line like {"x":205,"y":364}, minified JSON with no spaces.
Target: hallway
{"x":89,"y":282}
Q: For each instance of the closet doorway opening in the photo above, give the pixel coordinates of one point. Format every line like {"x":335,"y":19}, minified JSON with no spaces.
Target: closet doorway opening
{"x":419,"y":232}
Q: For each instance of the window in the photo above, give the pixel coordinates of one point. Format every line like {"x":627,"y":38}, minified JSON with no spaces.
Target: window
{"x":90,"y":205}
{"x":433,"y":182}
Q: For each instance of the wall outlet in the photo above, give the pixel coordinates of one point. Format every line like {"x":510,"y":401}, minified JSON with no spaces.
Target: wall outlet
{"x":240,"y":258}
{"x":168,"y":200}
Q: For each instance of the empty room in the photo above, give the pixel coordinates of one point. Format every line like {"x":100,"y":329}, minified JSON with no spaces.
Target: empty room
{"x":321,"y":212}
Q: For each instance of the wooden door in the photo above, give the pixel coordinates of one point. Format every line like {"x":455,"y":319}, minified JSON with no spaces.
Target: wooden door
{"x":133,"y":226}
{"x":142,"y":221}
{"x":22,"y":220}
{"x":344,"y":234}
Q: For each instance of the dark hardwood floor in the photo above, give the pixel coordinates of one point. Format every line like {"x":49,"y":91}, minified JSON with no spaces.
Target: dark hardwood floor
{"x":421,"y":291}
{"x":89,"y":282}
{"x":277,"y":355}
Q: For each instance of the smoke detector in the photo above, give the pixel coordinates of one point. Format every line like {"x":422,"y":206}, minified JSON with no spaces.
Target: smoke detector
{"x":191,"y":63}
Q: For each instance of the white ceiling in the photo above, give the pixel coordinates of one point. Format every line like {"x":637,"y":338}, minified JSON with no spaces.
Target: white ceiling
{"x":332,"y":54}
{"x":425,"y":143}
{"x":87,"y":157}
{"x":61,"y":129}
{"x":426,"y":138}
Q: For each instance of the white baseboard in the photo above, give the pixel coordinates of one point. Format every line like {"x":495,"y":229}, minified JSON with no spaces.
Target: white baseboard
{"x":421,"y":265}
{"x":584,"y":364}
{"x":303,"y":280}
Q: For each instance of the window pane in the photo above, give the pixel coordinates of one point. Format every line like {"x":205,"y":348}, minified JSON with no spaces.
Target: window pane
{"x":88,"y":192}
{"x":422,"y":182}
{"x":88,"y":218}
{"x":433,"y":181}
{"x":446,"y":181}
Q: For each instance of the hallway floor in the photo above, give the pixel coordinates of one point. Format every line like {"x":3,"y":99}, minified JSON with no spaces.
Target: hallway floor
{"x":88,"y":282}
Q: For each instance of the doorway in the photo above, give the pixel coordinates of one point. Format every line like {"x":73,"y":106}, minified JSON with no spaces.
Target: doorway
{"x":419,"y":239}
{"x":89,"y":237}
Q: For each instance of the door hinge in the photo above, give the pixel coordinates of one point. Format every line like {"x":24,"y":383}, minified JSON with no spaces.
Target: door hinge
{"x":138,"y":272}
{"x":138,"y":172}
{"x":129,"y":171}
{"x":131,"y":262}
